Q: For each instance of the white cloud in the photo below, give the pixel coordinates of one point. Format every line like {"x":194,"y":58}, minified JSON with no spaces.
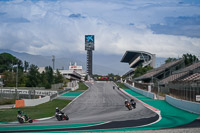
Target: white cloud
{"x":50,"y":30}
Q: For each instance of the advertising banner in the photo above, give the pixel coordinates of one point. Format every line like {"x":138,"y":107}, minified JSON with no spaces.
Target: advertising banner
{"x":89,"y":42}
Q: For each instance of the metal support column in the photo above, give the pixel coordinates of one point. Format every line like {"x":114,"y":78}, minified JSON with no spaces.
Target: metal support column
{"x":89,"y":62}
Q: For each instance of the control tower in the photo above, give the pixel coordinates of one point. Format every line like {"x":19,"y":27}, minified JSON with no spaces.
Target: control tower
{"x":89,"y":47}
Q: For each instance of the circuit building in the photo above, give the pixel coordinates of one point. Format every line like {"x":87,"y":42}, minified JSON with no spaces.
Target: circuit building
{"x":137,"y":58}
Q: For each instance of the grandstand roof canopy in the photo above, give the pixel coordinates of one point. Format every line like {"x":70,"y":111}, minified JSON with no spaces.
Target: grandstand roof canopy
{"x":134,"y":57}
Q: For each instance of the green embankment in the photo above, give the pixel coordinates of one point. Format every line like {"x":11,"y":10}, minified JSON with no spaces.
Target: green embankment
{"x":39,"y":111}
{"x":120,"y":85}
{"x":79,"y":91}
{"x":82,"y":87}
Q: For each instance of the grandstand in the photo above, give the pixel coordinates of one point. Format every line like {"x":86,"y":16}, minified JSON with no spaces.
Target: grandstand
{"x":137,"y":58}
{"x":184,"y":74}
{"x":161,"y":72}
{"x":172,"y":78}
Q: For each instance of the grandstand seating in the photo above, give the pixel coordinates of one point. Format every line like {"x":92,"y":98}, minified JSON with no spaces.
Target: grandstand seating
{"x":160,"y":70}
{"x":182,"y":73}
{"x":193,"y":77}
{"x":173,"y":77}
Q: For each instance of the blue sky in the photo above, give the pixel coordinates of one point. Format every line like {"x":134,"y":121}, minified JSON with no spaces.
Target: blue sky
{"x":167,"y":28}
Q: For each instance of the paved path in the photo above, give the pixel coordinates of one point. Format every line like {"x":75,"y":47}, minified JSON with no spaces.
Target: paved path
{"x":7,"y":106}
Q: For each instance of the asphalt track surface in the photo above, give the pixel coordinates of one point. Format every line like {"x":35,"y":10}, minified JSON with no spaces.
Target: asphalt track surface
{"x":100,"y":103}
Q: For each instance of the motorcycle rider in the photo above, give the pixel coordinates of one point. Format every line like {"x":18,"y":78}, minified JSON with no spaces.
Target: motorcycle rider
{"x":22,"y":114}
{"x":133,"y":103}
{"x":127,"y":104}
{"x":58,"y":111}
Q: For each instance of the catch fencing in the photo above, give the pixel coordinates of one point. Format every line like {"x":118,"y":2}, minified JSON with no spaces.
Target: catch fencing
{"x":184,"y":90}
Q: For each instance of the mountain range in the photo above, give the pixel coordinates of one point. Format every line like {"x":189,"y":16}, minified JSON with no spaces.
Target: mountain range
{"x":102,"y":64}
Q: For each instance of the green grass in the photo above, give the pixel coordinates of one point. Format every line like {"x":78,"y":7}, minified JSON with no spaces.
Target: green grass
{"x":7,"y":101}
{"x":82,"y":87}
{"x":39,"y":111}
{"x":121,"y":85}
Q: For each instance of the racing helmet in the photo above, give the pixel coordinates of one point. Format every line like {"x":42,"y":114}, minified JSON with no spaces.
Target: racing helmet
{"x":19,"y":112}
{"x":132,"y":100}
{"x":57,"y":109}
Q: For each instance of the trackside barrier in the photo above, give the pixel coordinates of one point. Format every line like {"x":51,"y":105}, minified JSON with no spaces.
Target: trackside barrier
{"x":19,"y":103}
{"x":145,"y":93}
{"x":31,"y":102}
{"x":183,"y":104}
{"x":34,"y":102}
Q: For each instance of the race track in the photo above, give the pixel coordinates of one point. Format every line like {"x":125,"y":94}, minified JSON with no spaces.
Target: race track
{"x":99,"y":104}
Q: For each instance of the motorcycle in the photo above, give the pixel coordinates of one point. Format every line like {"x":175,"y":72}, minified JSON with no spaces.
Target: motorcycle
{"x":24,"y":119}
{"x":128,"y":105}
{"x":61,"y":116}
{"x":133,"y":105}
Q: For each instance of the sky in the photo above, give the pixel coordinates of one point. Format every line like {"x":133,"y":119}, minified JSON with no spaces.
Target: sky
{"x":167,"y":28}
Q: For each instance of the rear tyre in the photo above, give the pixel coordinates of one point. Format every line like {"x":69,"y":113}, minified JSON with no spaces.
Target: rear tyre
{"x":30,"y":121}
{"x":58,"y":118}
{"x":20,"y":120}
{"x":66,"y":117}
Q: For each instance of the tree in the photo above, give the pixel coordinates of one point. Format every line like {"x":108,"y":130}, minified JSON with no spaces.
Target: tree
{"x":58,"y":77}
{"x":141,"y":70}
{"x":170,"y":60}
{"x":9,"y":79}
{"x":49,"y":74}
{"x":189,"y":59}
{"x":33,"y":76}
{"x":26,"y":65}
{"x":7,"y":61}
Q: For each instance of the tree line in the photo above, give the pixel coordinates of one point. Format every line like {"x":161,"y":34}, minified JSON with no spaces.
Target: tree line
{"x":15,"y":72}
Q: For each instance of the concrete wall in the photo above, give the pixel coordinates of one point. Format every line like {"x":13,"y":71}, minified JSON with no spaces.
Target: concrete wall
{"x":184,"y":105}
{"x":75,"y":88}
{"x":145,"y":93}
{"x":34,"y":102}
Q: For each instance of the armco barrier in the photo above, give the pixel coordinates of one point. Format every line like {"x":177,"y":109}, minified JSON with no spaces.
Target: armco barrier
{"x":34,"y":102}
{"x":183,"y":104}
{"x":145,"y":93}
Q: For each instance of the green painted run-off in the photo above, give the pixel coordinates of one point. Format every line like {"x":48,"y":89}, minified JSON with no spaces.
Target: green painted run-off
{"x":71,"y":94}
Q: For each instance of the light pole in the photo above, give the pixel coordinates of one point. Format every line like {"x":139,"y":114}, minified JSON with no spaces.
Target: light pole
{"x":158,"y":91}
{"x":17,"y":77}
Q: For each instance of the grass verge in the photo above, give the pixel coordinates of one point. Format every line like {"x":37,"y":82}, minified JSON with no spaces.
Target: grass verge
{"x":82,"y":87}
{"x":36,"y":112}
{"x":121,"y":85}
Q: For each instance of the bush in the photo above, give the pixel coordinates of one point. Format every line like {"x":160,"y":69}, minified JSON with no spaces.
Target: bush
{"x":7,"y":101}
